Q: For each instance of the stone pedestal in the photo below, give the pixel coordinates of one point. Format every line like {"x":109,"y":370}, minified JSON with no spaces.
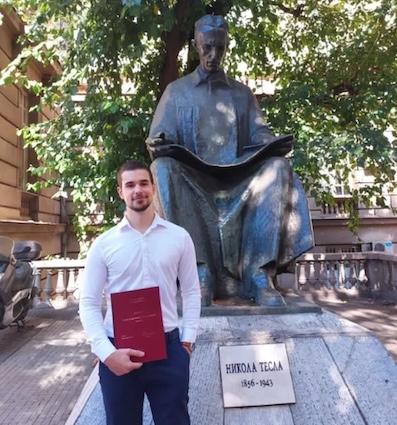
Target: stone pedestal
{"x":341,"y":374}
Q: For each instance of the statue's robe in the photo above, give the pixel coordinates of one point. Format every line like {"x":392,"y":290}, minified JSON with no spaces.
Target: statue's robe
{"x":244,"y":211}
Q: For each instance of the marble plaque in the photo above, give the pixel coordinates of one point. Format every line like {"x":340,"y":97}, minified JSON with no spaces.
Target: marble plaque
{"x":255,"y":375}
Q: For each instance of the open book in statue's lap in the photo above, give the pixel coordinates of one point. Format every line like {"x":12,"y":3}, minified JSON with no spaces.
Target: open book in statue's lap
{"x":222,"y":175}
{"x":252,"y":155}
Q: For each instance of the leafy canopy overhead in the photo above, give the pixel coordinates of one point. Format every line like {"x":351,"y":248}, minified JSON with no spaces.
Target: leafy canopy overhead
{"x":333,"y":64}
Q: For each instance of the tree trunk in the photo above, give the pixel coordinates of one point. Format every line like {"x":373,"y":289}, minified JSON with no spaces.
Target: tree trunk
{"x":174,"y":41}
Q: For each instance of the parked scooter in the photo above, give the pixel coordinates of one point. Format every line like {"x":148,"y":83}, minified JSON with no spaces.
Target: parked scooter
{"x":16,"y":280}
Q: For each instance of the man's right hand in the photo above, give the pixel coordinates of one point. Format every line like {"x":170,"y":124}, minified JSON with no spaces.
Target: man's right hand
{"x":119,"y":362}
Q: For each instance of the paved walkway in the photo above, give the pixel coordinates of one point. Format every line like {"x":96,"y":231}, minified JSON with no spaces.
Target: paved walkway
{"x":44,"y":366}
{"x":378,"y":316}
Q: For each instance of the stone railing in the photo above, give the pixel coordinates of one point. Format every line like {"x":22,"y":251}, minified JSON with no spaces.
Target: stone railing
{"x":372,"y":273}
{"x":57,"y":280}
{"x":339,"y":209}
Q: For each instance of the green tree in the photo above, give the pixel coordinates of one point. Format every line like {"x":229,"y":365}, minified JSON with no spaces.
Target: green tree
{"x":333,"y":63}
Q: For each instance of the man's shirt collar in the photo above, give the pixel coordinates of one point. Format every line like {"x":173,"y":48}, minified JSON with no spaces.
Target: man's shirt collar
{"x":200,"y":76}
{"x":157,"y":221}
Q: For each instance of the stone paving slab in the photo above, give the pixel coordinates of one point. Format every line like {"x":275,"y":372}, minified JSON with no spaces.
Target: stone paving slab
{"x":341,"y":374}
{"x":43,"y":368}
{"x":379,"y":316}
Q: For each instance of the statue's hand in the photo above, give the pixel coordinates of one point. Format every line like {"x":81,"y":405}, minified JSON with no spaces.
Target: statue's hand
{"x":157,"y":141}
{"x":158,"y":146}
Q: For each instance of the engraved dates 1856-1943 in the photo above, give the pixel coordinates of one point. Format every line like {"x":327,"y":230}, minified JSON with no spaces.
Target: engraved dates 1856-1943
{"x":250,"y":383}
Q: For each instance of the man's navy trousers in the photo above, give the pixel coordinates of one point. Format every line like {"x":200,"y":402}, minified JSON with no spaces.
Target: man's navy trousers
{"x":165,"y":383}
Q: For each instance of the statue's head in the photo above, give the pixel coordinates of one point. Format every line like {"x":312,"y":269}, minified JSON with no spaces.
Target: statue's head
{"x":210,"y":41}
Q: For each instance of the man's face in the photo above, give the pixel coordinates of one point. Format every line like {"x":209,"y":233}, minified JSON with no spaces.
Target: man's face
{"x":211,"y":47}
{"x":136,"y":189}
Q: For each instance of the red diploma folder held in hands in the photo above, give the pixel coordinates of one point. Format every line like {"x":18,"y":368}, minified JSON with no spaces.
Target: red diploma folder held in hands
{"x":138,"y":323}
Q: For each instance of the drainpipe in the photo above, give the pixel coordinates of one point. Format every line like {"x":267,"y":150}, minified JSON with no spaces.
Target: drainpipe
{"x":64,"y":220}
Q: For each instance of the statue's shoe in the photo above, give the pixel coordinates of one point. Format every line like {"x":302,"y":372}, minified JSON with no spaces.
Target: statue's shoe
{"x":266,"y":295}
{"x":206,"y":284}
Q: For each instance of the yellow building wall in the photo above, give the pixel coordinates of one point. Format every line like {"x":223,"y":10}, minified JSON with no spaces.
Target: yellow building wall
{"x":23,"y":215}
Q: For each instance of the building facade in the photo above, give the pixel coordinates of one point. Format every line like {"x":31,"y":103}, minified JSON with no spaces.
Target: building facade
{"x":24,"y":214}
{"x":377,"y":230}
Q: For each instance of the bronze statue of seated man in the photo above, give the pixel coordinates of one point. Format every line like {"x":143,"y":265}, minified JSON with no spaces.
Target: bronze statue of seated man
{"x":222,"y":175}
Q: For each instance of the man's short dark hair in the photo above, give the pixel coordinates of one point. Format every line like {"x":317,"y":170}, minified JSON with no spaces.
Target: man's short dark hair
{"x":130,"y":165}
{"x":210,"y":23}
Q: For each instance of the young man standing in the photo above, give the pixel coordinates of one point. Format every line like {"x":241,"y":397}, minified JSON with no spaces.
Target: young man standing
{"x":142,"y":251}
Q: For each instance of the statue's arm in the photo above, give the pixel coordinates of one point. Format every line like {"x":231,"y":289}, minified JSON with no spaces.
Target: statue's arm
{"x":259,"y":132}
{"x":260,"y":137}
{"x":163,"y":131}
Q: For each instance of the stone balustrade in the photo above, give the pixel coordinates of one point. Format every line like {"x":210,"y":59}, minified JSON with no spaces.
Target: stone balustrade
{"x":58,"y":279}
{"x":371,"y":273}
{"x":340,"y":208}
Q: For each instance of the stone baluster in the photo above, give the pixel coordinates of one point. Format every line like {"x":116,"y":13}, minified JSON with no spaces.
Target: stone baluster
{"x":47,"y":292}
{"x":362,"y":276}
{"x":79,"y":280}
{"x":347,"y":266}
{"x":393,"y":275}
{"x":312,"y":273}
{"x":331,"y":275}
{"x":374,"y":274}
{"x":327,"y":271}
{"x":341,"y":274}
{"x":354,"y":264}
{"x":322,"y":273}
{"x":36,"y":286}
{"x":71,"y":288}
{"x":60,"y":288}
{"x":60,"y":300}
{"x":302,"y":279}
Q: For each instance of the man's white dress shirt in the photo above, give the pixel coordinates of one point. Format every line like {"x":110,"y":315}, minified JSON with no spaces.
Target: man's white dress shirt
{"x":123,"y":259}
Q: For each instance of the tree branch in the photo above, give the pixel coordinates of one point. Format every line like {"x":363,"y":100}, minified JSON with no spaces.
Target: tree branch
{"x":220,"y":7}
{"x":296,"y":13}
{"x":345,"y":87}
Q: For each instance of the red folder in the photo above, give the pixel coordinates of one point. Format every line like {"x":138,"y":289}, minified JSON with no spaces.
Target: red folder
{"x":138,"y":323}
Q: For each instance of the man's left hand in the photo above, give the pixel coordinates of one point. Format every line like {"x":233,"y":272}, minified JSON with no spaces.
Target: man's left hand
{"x":188,"y":346}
